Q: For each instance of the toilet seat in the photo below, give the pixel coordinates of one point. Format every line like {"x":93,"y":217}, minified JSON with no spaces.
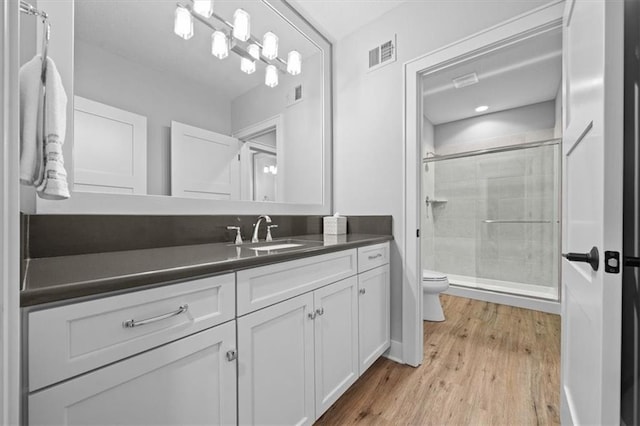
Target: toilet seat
{"x":428,"y":275}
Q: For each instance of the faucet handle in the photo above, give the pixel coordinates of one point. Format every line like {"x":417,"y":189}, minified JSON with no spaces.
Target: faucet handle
{"x":269,"y":231}
{"x":238,"y":235}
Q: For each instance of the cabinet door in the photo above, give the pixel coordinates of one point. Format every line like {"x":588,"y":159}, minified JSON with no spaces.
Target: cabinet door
{"x":189,"y":381}
{"x":336,"y":341}
{"x":373,"y":315}
{"x":275,"y":364}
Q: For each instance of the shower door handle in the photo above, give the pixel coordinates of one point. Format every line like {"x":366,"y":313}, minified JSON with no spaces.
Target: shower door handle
{"x":591,"y":258}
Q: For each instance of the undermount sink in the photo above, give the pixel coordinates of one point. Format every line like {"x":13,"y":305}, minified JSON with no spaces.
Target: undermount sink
{"x":275,"y":247}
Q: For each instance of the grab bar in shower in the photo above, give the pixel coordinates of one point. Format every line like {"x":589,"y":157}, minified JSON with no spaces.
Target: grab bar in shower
{"x":516,"y":221}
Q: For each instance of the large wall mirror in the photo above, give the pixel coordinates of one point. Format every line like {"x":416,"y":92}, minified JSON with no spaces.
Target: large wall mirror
{"x":167,"y":115}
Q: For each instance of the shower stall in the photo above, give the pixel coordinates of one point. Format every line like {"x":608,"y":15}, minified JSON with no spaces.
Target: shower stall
{"x":490,"y":219}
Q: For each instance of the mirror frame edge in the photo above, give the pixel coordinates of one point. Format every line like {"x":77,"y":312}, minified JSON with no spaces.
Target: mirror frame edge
{"x":103,"y":203}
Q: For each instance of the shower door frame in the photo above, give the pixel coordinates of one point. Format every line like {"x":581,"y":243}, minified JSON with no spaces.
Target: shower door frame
{"x":530,"y":24}
{"x":546,"y":305}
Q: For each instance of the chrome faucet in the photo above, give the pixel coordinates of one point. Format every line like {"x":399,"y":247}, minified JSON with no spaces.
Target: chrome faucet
{"x":256,"y":227}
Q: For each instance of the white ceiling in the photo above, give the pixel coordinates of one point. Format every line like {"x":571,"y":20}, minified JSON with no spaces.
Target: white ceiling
{"x":525,"y":73}
{"x":142,"y":31}
{"x":338,"y":18}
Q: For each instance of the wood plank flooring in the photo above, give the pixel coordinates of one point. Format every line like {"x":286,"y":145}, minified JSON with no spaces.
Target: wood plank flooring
{"x":487,"y":364}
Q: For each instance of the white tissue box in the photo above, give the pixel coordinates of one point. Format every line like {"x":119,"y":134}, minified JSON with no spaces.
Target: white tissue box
{"x":335,"y":225}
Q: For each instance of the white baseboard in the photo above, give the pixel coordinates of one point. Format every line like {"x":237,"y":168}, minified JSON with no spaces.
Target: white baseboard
{"x":548,"y":306}
{"x":394,"y":353}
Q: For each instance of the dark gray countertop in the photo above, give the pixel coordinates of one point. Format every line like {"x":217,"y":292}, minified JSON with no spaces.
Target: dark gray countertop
{"x":51,"y":279}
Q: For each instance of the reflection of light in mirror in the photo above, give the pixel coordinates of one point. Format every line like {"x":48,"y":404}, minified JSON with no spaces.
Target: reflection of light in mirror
{"x":294,"y":62}
{"x":482,"y":108}
{"x":241,"y":25}
{"x":247,"y":66}
{"x":219,"y":45}
{"x":270,"y":45}
{"x":183,"y":23}
{"x":271,"y":76}
{"x":266,"y":169}
{"x":254,"y":51}
{"x":203,"y":7}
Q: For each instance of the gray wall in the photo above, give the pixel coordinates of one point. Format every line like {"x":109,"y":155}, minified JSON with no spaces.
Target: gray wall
{"x":509,"y":127}
{"x":368,"y":148}
{"x":113,"y":80}
{"x":303,"y":128}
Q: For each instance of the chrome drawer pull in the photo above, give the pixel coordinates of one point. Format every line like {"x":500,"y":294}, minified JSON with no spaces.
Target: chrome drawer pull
{"x":363,"y":290}
{"x":133,"y":323}
{"x":376,"y":256}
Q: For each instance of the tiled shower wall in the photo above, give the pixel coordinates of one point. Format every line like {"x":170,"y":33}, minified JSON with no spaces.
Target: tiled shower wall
{"x":519,"y":185}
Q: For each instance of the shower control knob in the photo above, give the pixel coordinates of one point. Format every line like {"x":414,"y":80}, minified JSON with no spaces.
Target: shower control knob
{"x":591,"y":258}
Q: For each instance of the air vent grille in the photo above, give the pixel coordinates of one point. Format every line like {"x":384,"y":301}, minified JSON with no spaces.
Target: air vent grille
{"x":382,"y":54}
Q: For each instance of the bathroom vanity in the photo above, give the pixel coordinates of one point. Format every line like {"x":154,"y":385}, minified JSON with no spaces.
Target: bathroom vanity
{"x":236,"y":335}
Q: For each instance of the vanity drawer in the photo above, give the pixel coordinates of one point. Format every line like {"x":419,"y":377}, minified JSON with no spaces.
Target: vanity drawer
{"x":72,"y":339}
{"x":266,"y":285}
{"x":370,"y":257}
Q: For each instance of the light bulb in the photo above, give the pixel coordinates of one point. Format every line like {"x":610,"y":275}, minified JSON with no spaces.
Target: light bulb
{"x":203,"y":7}
{"x":219,"y":45}
{"x":482,"y":108}
{"x":294,"y":63}
{"x":241,"y":25}
{"x":271,"y":76}
{"x":270,"y":45}
{"x":183,"y":23}
{"x":266,"y":169}
{"x":254,"y":51}
{"x":247,"y":65}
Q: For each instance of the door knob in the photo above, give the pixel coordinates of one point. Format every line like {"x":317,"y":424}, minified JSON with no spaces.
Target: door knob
{"x":591,"y":258}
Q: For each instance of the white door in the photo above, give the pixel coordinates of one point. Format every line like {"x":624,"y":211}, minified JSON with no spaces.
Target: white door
{"x":276,"y":364}
{"x":187,"y":382}
{"x":373,"y":315}
{"x":336,"y":341}
{"x":592,"y":217}
{"x":109,"y":149}
{"x":204,"y":164}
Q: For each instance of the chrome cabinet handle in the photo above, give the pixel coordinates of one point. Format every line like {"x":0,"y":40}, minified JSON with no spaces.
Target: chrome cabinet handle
{"x":312,"y":315}
{"x":133,"y":323}
{"x":320,"y":311}
{"x":363,"y":291}
{"x":232,"y":355}
{"x":376,"y":256}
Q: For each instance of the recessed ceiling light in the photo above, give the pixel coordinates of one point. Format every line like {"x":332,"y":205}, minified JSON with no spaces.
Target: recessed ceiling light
{"x":482,"y":108}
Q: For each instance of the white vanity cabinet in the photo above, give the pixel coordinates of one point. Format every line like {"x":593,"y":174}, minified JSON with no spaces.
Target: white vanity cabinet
{"x":373,"y":312}
{"x":159,"y":356}
{"x":190,"y":381}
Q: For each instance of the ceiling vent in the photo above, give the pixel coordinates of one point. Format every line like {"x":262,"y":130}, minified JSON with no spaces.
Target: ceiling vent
{"x":383,"y":54}
{"x":465,"y":80}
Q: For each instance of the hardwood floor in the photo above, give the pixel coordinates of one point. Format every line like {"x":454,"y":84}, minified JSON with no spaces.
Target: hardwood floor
{"x":487,"y":364}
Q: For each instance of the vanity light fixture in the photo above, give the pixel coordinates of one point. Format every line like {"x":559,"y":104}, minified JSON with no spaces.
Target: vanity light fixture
{"x":247,"y":66}
{"x":203,"y":7}
{"x":294,"y":62}
{"x":219,"y":45}
{"x":241,"y":25}
{"x":271,"y":76}
{"x":270,"y":45}
{"x":183,"y":23}
{"x":242,"y":43}
{"x":482,"y":108}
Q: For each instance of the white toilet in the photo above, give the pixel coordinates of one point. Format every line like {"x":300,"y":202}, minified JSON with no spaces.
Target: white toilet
{"x":433,"y":283}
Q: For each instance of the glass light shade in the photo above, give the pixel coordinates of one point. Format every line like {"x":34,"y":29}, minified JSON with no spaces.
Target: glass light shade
{"x":203,"y":7}
{"x":254,"y":51}
{"x":294,"y":63}
{"x":183,"y":23}
{"x":270,"y":45}
{"x":241,"y":25}
{"x":271,"y":76}
{"x":247,"y":65}
{"x":219,"y":45}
